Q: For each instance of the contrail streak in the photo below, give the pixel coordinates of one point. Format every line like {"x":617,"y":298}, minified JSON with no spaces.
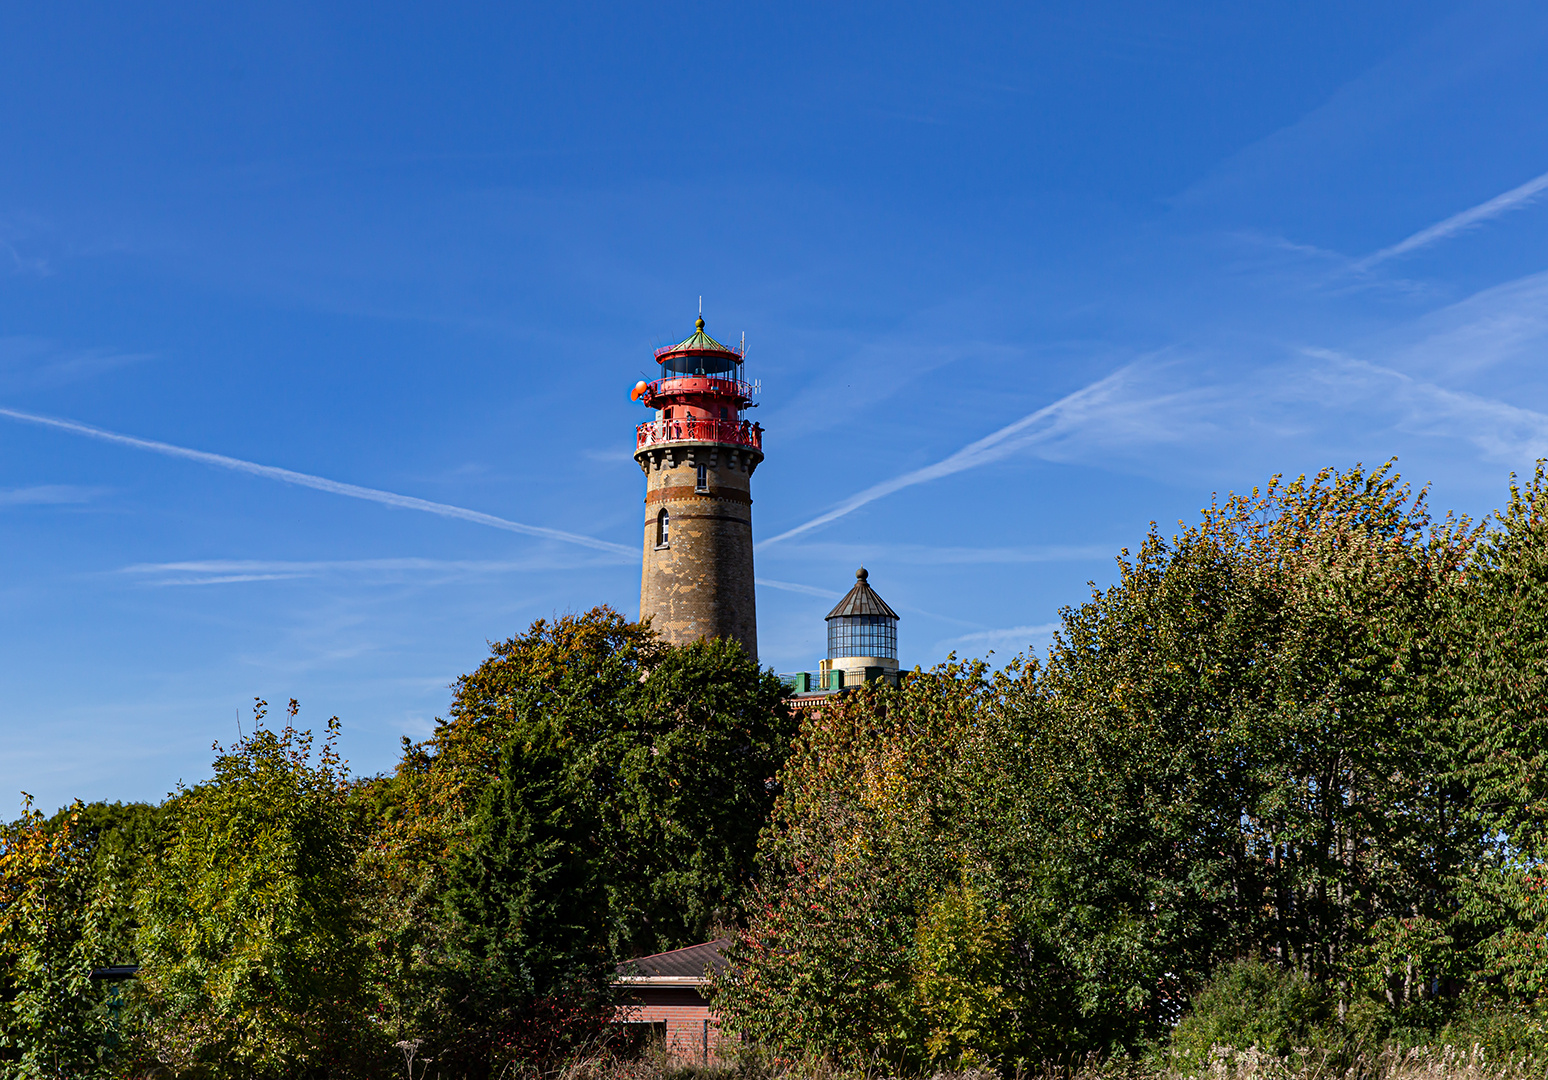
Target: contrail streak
{"x":790,"y":586}
{"x":1512,"y":199}
{"x":1034,"y":428}
{"x":318,"y":483}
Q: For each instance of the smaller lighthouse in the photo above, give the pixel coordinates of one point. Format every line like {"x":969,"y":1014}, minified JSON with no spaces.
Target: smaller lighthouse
{"x":862,"y":637}
{"x":698,"y":454}
{"x":862,"y":647}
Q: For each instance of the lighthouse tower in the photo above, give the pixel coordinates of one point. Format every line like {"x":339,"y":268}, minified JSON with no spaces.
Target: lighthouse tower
{"x":698,"y":453}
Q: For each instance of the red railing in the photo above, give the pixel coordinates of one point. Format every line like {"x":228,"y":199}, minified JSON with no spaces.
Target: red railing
{"x":711,"y":385}
{"x":734,"y":432}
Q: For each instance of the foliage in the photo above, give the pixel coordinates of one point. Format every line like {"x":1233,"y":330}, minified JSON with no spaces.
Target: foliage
{"x":886,"y":800}
{"x":963,"y":963}
{"x":574,"y":664}
{"x":250,"y":929}
{"x":684,"y":779}
{"x":636,"y":776}
{"x":421,"y":819}
{"x":1252,"y":1003}
{"x":1249,"y":744}
{"x":1502,"y":623}
{"x":119,"y":842}
{"x":1307,"y":728}
{"x":1253,"y":748}
{"x":528,"y":902}
{"x":54,"y":1021}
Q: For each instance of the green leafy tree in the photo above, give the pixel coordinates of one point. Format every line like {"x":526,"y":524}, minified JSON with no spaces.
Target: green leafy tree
{"x":1502,"y":622}
{"x":890,"y":800}
{"x":963,"y":983}
{"x":529,"y":966}
{"x":1260,"y":736}
{"x":53,"y":1019}
{"x":683,"y":779}
{"x":421,"y":819}
{"x":660,"y":763}
{"x":119,"y":841}
{"x":1501,"y":625}
{"x":1250,"y":744}
{"x":250,"y":928}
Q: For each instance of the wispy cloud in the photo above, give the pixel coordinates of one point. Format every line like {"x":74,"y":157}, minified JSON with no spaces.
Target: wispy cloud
{"x":48,"y":495}
{"x":22,"y":227}
{"x":924,"y":555}
{"x":40,"y":364}
{"x":790,"y":586}
{"x":23,"y":264}
{"x":1010,"y":637}
{"x":1507,"y":433}
{"x":234,"y":571}
{"x":1514,"y":199}
{"x":1494,"y":326}
{"x":1046,"y":424}
{"x":319,"y":483}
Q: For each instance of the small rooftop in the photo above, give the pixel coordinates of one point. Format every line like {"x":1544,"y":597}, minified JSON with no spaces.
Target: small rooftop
{"x":681,"y":967}
{"x":861,"y":600}
{"x":697,"y":342}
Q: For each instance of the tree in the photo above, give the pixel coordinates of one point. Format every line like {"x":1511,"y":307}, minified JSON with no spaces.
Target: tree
{"x":1262,"y":733}
{"x":683,"y":782}
{"x":657,"y":773}
{"x":118,"y":842}
{"x":891,"y":802}
{"x":53,"y":1021}
{"x":529,"y":963}
{"x":422,"y":818}
{"x":1248,"y":745}
{"x":963,"y":983}
{"x":1502,"y":622}
{"x":250,"y":927}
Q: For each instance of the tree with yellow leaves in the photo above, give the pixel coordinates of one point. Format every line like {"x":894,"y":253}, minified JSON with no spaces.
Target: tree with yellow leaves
{"x":52,"y":1019}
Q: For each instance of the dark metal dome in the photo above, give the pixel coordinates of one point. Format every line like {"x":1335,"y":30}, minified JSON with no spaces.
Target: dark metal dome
{"x":861,"y":600}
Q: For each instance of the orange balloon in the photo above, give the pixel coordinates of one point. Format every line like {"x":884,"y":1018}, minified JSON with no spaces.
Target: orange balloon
{"x":639,"y":389}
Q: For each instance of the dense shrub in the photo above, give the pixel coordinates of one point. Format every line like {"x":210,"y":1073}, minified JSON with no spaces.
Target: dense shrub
{"x":1252,"y":1003}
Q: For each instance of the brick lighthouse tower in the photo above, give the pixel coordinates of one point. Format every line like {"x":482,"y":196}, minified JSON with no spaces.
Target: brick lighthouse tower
{"x":698,"y":454}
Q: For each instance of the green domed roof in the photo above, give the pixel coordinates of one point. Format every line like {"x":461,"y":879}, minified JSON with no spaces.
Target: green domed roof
{"x":698,"y":341}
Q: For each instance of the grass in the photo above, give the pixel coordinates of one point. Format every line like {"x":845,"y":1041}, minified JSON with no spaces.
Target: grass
{"x":1224,"y":1063}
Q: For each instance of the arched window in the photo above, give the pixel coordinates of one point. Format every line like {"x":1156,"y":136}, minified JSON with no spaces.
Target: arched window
{"x":701,"y":480}
{"x":663,"y":528}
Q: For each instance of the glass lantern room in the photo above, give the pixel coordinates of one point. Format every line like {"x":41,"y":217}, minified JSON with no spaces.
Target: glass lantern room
{"x":862,"y":624}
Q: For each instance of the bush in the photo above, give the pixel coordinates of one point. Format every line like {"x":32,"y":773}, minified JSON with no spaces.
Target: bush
{"x":1251,"y":1003}
{"x":1503,"y":1031}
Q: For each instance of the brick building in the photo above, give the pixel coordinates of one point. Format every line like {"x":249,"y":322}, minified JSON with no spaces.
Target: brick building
{"x":666,"y":995}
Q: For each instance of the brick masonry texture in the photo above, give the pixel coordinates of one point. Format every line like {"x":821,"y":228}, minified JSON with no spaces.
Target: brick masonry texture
{"x":683,"y":1016}
{"x":700,"y":585}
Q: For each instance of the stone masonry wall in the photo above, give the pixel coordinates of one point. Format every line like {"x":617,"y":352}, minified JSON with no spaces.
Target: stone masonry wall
{"x":700,"y":584}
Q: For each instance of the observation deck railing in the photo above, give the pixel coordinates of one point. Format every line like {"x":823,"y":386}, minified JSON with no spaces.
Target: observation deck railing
{"x":711,"y":385}
{"x":733,"y":432}
{"x":668,"y":350}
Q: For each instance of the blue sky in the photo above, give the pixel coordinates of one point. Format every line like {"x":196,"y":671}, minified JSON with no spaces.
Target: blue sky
{"x":1016,"y":280}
